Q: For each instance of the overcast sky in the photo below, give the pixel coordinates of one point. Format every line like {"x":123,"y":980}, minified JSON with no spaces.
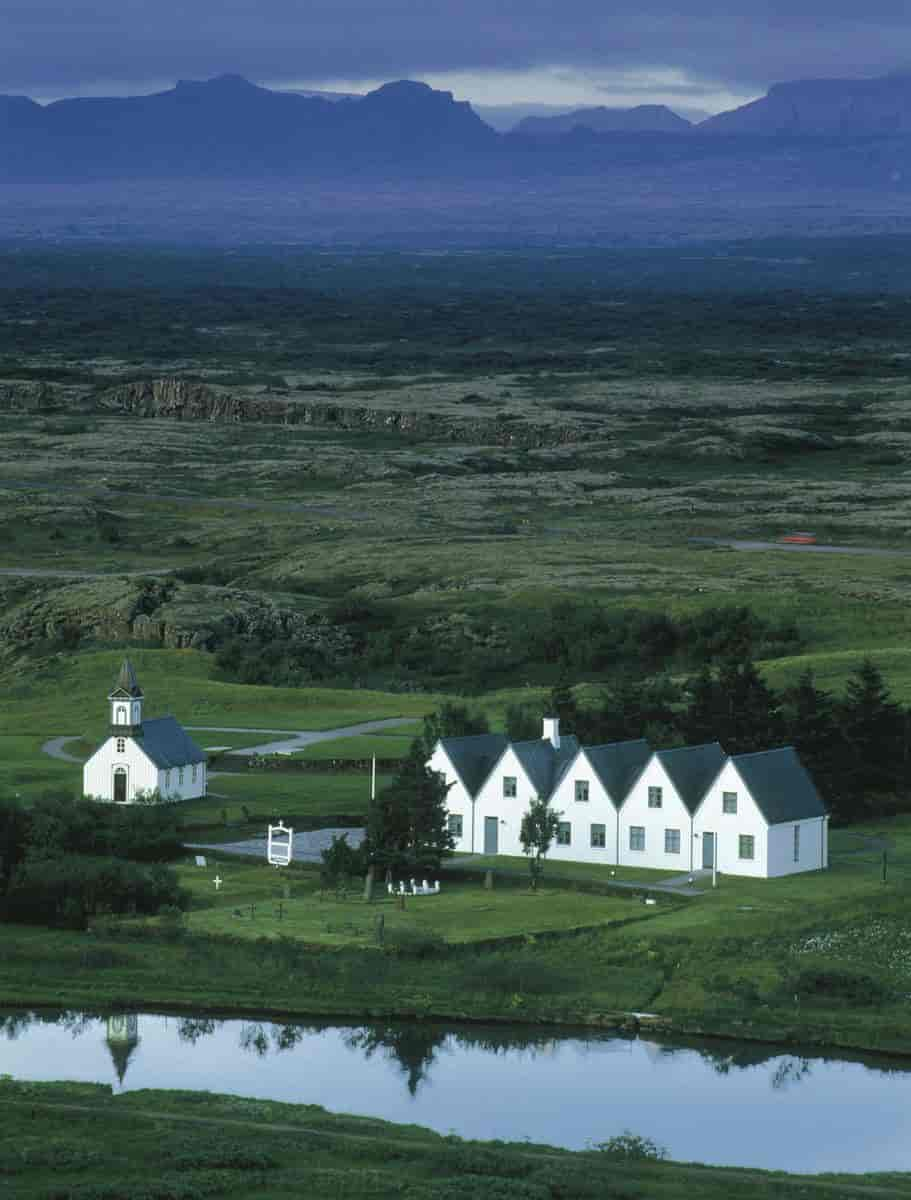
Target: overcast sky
{"x":692,"y":54}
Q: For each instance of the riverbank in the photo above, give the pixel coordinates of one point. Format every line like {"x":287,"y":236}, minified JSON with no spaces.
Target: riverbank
{"x":820,"y":959}
{"x":220,"y":1145}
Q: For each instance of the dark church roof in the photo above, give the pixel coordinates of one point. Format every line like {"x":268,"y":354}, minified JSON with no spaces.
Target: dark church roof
{"x":127,"y":683}
{"x":167,"y":743}
{"x":780,"y":784}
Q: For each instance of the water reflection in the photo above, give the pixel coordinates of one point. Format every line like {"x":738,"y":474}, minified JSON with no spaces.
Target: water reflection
{"x":566,"y":1088}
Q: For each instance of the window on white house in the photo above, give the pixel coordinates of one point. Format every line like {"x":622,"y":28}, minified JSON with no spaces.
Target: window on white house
{"x":672,"y":841}
{"x":599,"y":836}
{"x":564,"y":833}
{"x":195,"y":772}
{"x":509,"y":786}
{"x":637,"y":837}
{"x":797,"y":843}
{"x":581,"y":791}
{"x":729,"y":802}
{"x":180,"y":775}
{"x":121,"y":745}
{"x":167,"y":778}
{"x":654,"y":797}
{"x":455,"y":825}
{"x":747,"y":846}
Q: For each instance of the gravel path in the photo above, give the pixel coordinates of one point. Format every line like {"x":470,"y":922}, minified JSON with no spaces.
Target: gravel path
{"x":298,"y":739}
{"x":308,"y":847}
{"x":55,"y":748}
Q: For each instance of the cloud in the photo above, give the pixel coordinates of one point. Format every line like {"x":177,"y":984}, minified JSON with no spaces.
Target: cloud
{"x":51,"y":47}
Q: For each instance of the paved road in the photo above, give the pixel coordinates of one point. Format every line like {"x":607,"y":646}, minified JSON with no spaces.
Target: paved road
{"x":874,"y":551}
{"x":308,"y":847}
{"x":61,"y":573}
{"x":298,"y":739}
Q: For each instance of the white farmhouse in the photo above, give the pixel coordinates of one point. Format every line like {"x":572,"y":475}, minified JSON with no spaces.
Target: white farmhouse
{"x":762,"y":816}
{"x":656,"y":817}
{"x":142,"y":757}
{"x":623,"y":805}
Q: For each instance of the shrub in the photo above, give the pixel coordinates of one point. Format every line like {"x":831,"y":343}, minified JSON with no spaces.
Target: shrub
{"x":631,"y":1147}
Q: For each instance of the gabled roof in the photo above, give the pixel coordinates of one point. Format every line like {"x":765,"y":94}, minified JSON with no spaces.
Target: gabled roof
{"x":618,"y":765}
{"x":127,"y":684}
{"x":543,"y":764}
{"x":780,"y":784}
{"x":692,"y":769}
{"x":474,"y":756}
{"x":165,"y":741}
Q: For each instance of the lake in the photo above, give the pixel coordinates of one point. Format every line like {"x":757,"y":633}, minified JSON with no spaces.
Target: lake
{"x":711,"y":1101}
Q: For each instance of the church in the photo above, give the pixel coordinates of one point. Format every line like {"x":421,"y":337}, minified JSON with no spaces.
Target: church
{"x":142,"y":758}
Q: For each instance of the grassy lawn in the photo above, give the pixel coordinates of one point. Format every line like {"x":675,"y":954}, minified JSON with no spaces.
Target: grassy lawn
{"x":385,"y":744}
{"x":223,"y":1146}
{"x":265,"y":793}
{"x":462,"y":912}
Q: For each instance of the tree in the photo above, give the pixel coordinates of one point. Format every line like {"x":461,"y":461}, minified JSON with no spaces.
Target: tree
{"x":341,"y":863}
{"x":538,"y":830}
{"x":451,"y":720}
{"x":563,"y":704}
{"x":736,"y":708}
{"x":813,"y":730}
{"x":407,"y":826}
{"x":523,"y":721}
{"x":873,"y":728}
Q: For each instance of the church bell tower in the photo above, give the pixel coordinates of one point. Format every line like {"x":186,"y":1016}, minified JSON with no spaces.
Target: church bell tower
{"x":126,"y":703}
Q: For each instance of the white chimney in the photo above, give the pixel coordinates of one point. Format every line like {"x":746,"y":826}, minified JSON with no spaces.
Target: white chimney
{"x":552,"y":731}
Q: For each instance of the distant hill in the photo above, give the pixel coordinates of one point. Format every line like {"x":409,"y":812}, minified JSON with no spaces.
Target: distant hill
{"x":823,"y":108}
{"x":644,"y":118}
{"x":232,"y":127}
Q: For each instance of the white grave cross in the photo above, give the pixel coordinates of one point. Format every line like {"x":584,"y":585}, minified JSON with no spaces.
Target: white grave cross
{"x":280,"y":845}
{"x":218,"y":881}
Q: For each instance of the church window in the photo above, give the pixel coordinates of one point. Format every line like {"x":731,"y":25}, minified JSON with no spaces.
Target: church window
{"x":121,"y":714}
{"x":121,"y":745}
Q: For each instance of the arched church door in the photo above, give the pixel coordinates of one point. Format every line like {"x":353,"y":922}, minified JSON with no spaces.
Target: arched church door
{"x":120,"y":785}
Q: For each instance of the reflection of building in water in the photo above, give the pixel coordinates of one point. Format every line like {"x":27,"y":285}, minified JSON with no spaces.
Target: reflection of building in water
{"x":122,"y":1038}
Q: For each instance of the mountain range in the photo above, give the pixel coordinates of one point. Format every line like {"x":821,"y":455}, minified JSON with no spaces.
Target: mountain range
{"x":407,"y":157}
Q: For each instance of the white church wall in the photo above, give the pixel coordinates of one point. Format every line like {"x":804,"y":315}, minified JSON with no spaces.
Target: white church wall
{"x":182,"y":783}
{"x":98,"y":772}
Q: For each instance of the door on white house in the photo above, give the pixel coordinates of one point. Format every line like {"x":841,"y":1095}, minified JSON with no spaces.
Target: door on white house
{"x":708,"y":849}
{"x":491,"y":833}
{"x":120,"y":785}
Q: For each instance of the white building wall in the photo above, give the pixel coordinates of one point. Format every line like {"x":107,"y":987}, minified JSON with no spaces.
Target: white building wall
{"x":581,"y":815}
{"x":728,"y":827}
{"x":458,"y":801}
{"x":508,"y":811}
{"x":173,"y":787}
{"x":812,"y":847}
{"x":673,"y":814}
{"x":98,"y":772}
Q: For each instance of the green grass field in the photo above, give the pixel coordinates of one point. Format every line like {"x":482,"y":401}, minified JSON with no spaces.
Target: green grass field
{"x":160,"y":1144}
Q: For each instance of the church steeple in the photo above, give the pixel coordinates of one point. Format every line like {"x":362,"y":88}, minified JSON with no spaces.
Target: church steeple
{"x":122,"y":1039}
{"x":126,"y":703}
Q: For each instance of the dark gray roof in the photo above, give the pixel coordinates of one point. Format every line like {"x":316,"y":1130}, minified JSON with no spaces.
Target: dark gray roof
{"x":474,"y":756}
{"x":618,"y":765}
{"x":780,"y":784}
{"x":126,"y":681}
{"x":692,"y":770}
{"x":167,"y":743}
{"x":543,"y":764}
